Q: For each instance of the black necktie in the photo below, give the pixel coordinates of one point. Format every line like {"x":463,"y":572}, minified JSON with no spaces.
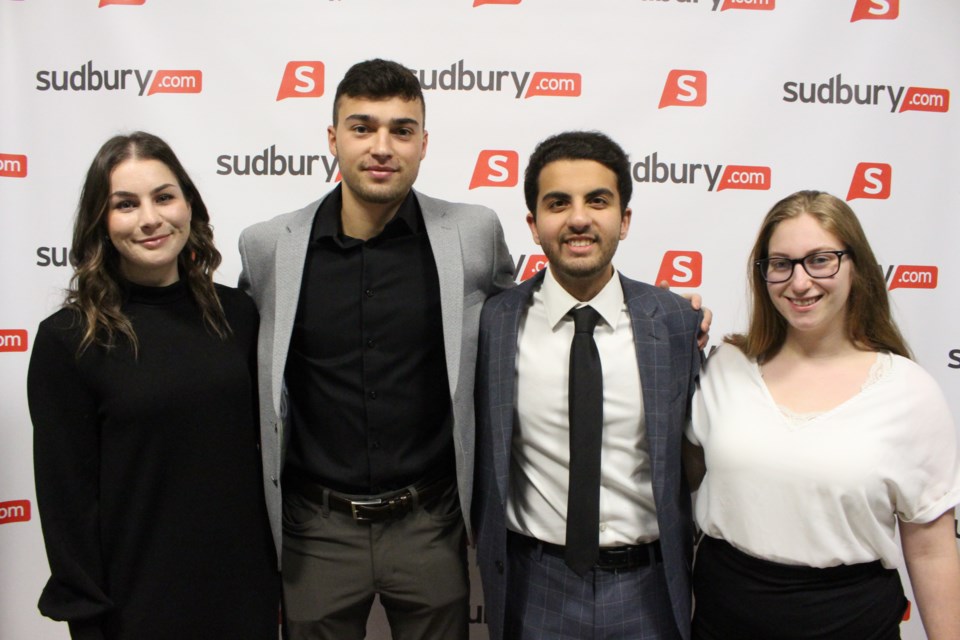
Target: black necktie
{"x":586,"y":427}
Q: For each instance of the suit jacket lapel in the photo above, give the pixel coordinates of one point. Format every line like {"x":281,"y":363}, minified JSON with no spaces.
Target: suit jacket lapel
{"x":653,"y":357}
{"x":291,"y":254}
{"x":447,"y":254}
{"x":504,"y":354}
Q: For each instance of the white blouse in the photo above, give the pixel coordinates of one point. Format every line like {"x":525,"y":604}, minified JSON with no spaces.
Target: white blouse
{"x":826,"y":489}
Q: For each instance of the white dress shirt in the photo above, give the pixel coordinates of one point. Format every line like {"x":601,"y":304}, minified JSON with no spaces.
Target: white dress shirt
{"x":540,"y":457}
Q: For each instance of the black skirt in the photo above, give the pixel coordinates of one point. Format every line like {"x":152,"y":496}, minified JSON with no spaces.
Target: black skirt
{"x":740,"y":597}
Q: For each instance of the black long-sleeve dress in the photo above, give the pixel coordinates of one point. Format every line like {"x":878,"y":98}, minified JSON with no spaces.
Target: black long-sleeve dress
{"x":148,"y":475}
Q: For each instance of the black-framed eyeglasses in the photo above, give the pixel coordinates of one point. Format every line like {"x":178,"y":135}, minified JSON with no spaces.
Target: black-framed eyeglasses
{"x":821,"y":264}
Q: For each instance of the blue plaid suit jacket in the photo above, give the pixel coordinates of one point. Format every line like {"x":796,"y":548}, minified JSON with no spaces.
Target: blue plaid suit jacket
{"x":665,"y":329}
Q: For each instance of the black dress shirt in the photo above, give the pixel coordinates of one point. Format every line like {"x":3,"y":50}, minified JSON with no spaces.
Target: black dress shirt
{"x":366,"y":373}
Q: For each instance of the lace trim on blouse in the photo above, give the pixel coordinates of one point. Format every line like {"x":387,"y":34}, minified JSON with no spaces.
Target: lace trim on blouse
{"x":880,"y":368}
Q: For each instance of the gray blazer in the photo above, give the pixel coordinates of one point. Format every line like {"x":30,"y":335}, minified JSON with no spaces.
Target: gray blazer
{"x":664,"y":329}
{"x":472,"y":263}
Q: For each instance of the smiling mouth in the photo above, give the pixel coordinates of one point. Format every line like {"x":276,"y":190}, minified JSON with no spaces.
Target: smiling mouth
{"x":153,"y":241}
{"x":804,"y":302}
{"x":580,"y":242}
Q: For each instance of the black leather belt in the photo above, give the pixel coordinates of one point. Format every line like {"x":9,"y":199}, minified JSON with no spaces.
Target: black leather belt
{"x":631,"y":556}
{"x":392,"y":505}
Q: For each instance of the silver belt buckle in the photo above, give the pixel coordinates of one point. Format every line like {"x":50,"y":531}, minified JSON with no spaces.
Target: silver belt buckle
{"x":363,"y":503}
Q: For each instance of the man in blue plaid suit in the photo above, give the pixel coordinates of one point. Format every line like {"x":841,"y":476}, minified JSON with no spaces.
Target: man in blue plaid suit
{"x":577,"y":187}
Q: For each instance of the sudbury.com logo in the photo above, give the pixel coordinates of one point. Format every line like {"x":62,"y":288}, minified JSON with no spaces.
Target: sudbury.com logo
{"x":681,"y":269}
{"x":752,"y":5}
{"x":14,"y":511}
{"x":301,"y":79}
{"x":13,"y":165}
{"x":529,"y":266}
{"x":89,"y":78}
{"x":684,"y":88}
{"x":954,"y":363}
{"x":459,"y":77}
{"x":496,"y":168}
{"x":500,"y":168}
{"x":837,"y":91}
{"x":718,"y":177}
{"x":677,"y":269}
{"x":721,"y":5}
{"x":863,"y":10}
{"x":13,"y":340}
{"x":871,"y":180}
{"x":270,"y":163}
{"x":304,"y":79}
{"x":910,"y":276}
{"x":876,"y":10}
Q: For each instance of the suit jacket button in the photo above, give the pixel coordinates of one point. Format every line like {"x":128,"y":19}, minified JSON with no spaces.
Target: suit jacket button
{"x":499,"y":564}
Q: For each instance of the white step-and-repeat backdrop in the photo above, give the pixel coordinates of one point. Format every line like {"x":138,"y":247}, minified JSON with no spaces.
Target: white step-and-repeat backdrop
{"x":724,"y":106}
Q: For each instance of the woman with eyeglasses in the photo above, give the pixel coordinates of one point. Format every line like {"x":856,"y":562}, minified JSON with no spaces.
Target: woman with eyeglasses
{"x":820,"y":439}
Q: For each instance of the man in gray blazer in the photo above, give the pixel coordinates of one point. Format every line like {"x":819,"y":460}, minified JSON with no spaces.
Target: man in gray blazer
{"x":369,"y":302}
{"x":636,"y":582}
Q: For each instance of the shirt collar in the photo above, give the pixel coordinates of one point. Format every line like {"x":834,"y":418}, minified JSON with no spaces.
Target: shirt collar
{"x":328,"y":225}
{"x":558,"y":302}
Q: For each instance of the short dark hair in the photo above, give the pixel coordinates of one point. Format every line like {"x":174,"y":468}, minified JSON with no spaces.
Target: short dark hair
{"x":578,"y":145}
{"x":378,"y":79}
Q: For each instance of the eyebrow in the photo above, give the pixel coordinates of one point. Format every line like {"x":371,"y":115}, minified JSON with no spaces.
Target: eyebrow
{"x":560,"y":195}
{"x":602,"y":191}
{"x":363,"y":117}
{"x":128,"y":194}
{"x":781,"y":254}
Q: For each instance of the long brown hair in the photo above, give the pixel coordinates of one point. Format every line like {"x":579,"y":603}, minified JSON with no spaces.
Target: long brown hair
{"x":96,"y":291}
{"x":869,"y":322}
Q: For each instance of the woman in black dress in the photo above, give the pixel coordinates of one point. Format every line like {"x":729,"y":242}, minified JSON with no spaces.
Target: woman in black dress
{"x":142,"y":395}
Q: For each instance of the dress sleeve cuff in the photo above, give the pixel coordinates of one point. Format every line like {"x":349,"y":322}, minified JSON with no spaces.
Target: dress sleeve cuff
{"x":86,"y":630}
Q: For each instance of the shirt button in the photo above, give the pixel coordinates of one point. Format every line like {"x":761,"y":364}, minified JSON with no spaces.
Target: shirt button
{"x":369,"y":293}
{"x":371,"y":343}
{"x":373,"y":395}
{"x":603,"y":526}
